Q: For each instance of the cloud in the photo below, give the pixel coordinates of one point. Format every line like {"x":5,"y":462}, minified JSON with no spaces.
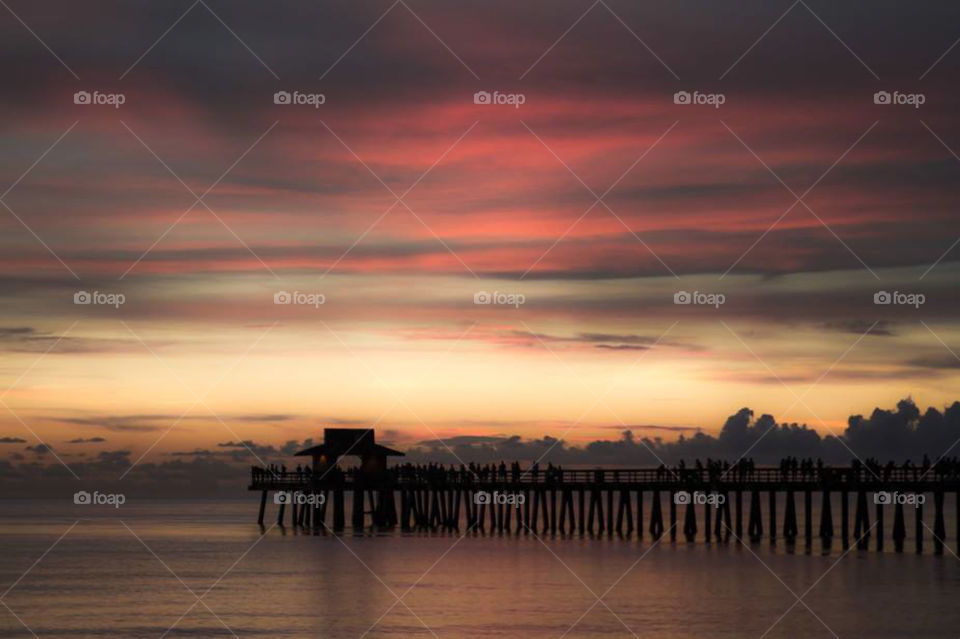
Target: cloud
{"x":506,"y":336}
{"x":14,"y":332}
{"x":146,"y":422}
{"x":656,"y":427}
{"x":883,"y":328}
{"x":896,"y":434}
{"x":24,"y":339}
{"x":118,"y":423}
{"x":248,"y":451}
{"x":39,"y":449}
{"x":199,"y":452}
{"x":89,"y":440}
{"x":461,"y":440}
{"x":12,"y":440}
{"x":232,"y":444}
{"x":292,"y":447}
{"x":937,"y":362}
{"x":622,"y":347}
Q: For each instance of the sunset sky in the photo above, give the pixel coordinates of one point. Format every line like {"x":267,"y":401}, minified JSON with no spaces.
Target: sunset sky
{"x":398,"y":199}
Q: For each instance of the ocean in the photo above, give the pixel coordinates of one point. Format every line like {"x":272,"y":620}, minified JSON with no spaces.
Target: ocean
{"x":204,"y":569}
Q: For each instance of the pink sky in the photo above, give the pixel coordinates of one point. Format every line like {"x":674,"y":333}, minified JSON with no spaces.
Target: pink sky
{"x":500,"y":199}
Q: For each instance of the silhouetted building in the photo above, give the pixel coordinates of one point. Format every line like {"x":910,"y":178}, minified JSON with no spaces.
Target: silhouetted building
{"x":341,"y":442}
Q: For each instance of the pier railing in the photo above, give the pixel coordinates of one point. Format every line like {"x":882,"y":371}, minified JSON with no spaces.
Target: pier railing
{"x":664,"y":478}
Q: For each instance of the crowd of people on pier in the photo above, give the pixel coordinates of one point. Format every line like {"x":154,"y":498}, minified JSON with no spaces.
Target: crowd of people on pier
{"x":302,"y":473}
{"x":945,"y":467}
{"x":789,"y":469}
{"x":479,"y":473}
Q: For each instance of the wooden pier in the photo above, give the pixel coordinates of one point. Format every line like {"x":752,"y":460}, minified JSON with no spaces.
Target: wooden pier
{"x":626,"y":502}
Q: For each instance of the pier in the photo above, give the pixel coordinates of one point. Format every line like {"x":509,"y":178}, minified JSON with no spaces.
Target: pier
{"x":739,"y":504}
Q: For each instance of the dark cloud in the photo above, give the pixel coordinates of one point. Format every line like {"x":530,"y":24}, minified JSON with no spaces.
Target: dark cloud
{"x":146,"y":422}
{"x":642,"y":427}
{"x":292,"y":447}
{"x":8,"y":332}
{"x":39,"y":449}
{"x":887,"y":434}
{"x":12,"y":440}
{"x":88,"y":440}
{"x":463,"y":440}
{"x":118,"y":423}
{"x":622,"y":347}
{"x":114,"y":458}
{"x":612,"y":341}
{"x":21,"y":339}
{"x":893,"y":374}
{"x":945,"y":361}
{"x":604,"y":338}
{"x":249,"y":451}
{"x":247,"y":448}
{"x":232,"y":444}
{"x":882,"y":328}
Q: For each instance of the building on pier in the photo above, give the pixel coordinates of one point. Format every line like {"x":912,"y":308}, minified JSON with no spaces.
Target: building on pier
{"x":345,"y":442}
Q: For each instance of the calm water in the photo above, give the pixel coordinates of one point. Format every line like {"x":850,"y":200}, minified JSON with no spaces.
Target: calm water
{"x":101,"y":581}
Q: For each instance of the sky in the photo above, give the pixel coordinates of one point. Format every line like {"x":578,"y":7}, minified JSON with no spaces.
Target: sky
{"x":392,"y":199}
